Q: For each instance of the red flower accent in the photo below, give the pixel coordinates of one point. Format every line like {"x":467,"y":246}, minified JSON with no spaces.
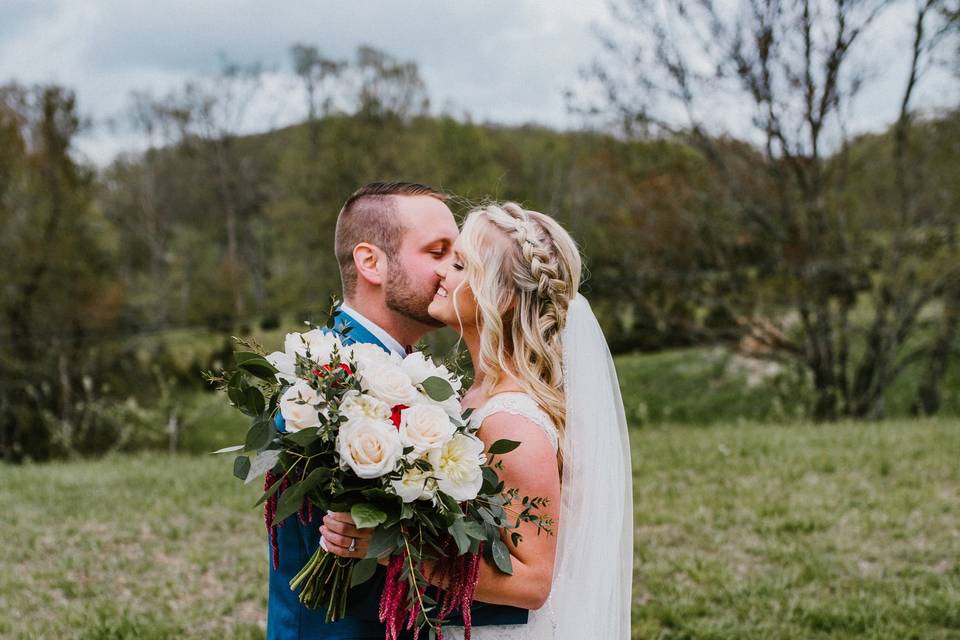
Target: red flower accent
{"x":326,"y":368}
{"x":395,"y":414}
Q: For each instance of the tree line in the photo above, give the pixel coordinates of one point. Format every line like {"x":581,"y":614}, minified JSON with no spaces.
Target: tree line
{"x":835,"y":253}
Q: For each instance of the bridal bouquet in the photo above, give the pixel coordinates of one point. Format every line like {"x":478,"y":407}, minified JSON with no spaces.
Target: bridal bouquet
{"x":383,"y":438}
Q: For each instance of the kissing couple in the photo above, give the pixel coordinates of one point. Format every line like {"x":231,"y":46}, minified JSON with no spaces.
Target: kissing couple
{"x":507,"y":283}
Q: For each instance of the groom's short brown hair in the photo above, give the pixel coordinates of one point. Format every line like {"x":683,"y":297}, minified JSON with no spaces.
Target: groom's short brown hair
{"x":370,"y":215}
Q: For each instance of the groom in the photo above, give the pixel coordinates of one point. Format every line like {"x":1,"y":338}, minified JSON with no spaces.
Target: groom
{"x":389,"y":240}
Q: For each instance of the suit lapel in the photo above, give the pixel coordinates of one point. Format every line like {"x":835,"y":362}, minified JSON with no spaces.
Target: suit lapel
{"x":356,"y":331}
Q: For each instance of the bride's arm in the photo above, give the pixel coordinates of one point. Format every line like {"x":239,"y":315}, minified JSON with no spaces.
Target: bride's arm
{"x":531,"y":468}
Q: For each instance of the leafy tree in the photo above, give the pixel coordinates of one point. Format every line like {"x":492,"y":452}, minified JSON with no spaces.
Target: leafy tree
{"x":792,"y":65}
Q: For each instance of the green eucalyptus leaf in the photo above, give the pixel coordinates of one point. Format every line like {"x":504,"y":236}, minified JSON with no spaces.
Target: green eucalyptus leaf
{"x":269,"y":492}
{"x":449,"y":503}
{"x":363,"y":571}
{"x":255,"y":364}
{"x":290,"y":502}
{"x":366,"y":515}
{"x":460,"y":536}
{"x":303,"y":437}
{"x":474,"y":530}
{"x":383,"y":541}
{"x":237,"y":396}
{"x":241,"y":357}
{"x":406,"y":511}
{"x":260,"y":434}
{"x":503,"y":446}
{"x":490,"y":481}
{"x":501,"y":556}
{"x":261,"y":463}
{"x":275,"y":399}
{"x":241,"y":467}
{"x":437,"y":388}
{"x":236,"y":447}
{"x":315,"y":477}
{"x":252,"y":402}
{"x":377,"y":493}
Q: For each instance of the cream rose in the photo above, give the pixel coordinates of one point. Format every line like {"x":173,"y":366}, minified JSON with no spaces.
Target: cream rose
{"x":387,"y":382}
{"x":419,"y":368}
{"x":451,"y":405}
{"x":370,"y":447}
{"x":357,"y":405}
{"x":369,"y":356}
{"x":425,"y":427}
{"x":319,"y":344}
{"x":285,"y":364}
{"x":298,"y":406}
{"x":415,"y":485}
{"x":457,"y":466}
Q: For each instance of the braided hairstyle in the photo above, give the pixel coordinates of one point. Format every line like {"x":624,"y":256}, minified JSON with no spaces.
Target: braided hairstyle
{"x":523,"y":269}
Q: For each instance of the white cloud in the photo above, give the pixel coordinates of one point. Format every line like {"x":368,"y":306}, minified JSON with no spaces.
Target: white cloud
{"x":506,"y":61}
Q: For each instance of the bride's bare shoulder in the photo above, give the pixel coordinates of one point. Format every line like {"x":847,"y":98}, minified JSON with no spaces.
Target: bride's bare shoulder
{"x":503,"y":425}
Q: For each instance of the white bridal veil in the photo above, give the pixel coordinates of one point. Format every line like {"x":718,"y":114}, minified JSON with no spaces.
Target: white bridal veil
{"x":591,"y":592}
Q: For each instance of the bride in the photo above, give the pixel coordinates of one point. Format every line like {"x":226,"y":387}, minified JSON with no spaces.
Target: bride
{"x":544,"y":377}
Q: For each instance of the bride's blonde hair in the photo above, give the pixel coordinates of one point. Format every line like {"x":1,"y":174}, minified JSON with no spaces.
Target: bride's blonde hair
{"x":523,"y":269}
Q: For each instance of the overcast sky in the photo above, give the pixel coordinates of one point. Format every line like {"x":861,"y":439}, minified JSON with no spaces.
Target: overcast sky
{"x":500,"y":60}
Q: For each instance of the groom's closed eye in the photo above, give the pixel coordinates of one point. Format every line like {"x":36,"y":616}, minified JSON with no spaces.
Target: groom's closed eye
{"x":440,"y":251}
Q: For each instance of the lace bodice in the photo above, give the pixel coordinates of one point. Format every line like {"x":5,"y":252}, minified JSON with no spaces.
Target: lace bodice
{"x":518,"y":404}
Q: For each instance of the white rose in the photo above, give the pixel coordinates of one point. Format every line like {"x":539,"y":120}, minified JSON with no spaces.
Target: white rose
{"x":370,"y":447}
{"x":370,"y":356}
{"x":451,"y":406}
{"x":425,"y":427}
{"x":419,"y":368}
{"x":457,"y":466}
{"x":285,"y":363}
{"x":389,"y":383}
{"x":298,"y":406}
{"x":319,"y":344}
{"x":415,"y":485}
{"x":357,"y":405}
{"x":454,"y":380}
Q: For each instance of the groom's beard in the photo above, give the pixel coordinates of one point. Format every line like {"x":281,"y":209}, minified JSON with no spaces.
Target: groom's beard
{"x":407,"y":300}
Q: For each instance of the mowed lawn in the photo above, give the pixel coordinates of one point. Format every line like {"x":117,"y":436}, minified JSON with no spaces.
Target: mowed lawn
{"x":742,"y":531}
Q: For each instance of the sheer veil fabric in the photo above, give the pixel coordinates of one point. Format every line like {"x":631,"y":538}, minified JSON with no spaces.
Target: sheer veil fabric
{"x":591,"y":593}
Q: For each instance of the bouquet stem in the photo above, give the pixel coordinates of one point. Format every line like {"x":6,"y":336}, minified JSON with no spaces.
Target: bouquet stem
{"x":324,"y":581}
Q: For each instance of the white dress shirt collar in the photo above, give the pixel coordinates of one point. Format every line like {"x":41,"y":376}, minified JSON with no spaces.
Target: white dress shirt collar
{"x":388,"y":341}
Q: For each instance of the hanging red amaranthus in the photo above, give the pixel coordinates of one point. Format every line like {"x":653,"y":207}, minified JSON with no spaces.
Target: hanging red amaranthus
{"x":270,"y":510}
{"x":461,"y":573}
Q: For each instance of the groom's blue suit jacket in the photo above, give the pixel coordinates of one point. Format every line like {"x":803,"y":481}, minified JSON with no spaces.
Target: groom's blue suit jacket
{"x":287,"y":619}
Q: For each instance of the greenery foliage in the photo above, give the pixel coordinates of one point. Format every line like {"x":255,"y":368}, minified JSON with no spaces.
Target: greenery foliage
{"x":121,"y":284}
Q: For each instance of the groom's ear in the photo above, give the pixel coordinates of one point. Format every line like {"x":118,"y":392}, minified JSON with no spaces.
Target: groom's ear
{"x":370,"y":263}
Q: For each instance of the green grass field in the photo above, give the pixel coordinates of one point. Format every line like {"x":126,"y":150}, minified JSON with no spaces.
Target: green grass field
{"x":742,"y":531}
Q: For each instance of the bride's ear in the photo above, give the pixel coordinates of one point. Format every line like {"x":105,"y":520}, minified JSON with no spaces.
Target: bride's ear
{"x":370,"y":263}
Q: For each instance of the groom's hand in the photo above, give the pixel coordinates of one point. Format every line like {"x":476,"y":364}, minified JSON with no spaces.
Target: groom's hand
{"x":338,"y":532}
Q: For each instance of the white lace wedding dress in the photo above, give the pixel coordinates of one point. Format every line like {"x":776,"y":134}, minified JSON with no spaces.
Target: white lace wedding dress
{"x":518,"y":404}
